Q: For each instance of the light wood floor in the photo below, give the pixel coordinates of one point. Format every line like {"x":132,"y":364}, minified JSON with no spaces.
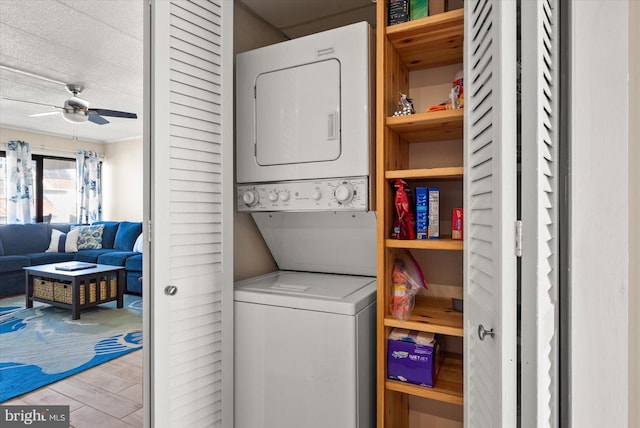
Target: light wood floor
{"x":106,"y":396}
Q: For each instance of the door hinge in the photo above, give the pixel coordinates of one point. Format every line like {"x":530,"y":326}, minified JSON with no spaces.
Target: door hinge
{"x":149,"y":231}
{"x":518,"y":238}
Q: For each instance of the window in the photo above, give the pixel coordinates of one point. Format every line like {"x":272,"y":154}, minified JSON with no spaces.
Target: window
{"x":54,"y":187}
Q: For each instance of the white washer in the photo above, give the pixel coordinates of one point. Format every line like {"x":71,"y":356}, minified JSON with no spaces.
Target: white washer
{"x":305,"y":351}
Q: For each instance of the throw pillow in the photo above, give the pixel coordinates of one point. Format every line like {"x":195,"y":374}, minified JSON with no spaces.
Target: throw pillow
{"x":89,"y":237}
{"x":139,"y":245}
{"x":126,"y":236}
{"x":63,"y":242}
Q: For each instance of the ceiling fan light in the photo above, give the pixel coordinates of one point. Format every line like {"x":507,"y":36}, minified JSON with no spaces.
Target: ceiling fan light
{"x":74,"y":116}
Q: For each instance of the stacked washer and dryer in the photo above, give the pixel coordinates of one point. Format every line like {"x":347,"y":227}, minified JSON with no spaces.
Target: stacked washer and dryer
{"x":304,"y":352}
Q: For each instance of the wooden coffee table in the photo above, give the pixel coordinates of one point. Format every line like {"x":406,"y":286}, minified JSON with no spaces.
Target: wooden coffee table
{"x":93,"y":284}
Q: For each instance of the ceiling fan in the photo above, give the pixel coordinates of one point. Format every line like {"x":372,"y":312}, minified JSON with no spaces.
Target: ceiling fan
{"x":76,"y":110}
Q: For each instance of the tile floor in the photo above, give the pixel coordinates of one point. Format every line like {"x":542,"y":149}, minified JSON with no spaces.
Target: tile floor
{"x":106,"y":396}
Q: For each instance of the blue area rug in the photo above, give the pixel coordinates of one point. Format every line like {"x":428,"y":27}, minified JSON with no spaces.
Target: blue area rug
{"x":42,"y":345}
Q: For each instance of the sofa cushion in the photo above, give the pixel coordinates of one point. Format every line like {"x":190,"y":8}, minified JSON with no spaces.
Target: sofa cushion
{"x":108,"y":233}
{"x":115,"y":258}
{"x":63,"y":242}
{"x":134,"y":263}
{"x":11,"y":263}
{"x":138,"y":246}
{"x":19,"y":239}
{"x":89,"y":237}
{"x":1,"y":248}
{"x":91,"y":256}
{"x":46,"y":258}
{"x":127,"y":234}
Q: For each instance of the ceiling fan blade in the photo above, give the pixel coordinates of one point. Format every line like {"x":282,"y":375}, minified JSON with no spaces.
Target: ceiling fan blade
{"x":97,"y":119}
{"x":30,"y":102}
{"x":113,"y":113}
{"x":45,"y":114}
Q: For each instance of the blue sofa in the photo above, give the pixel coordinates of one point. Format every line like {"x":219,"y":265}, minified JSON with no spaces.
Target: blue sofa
{"x":23,"y":245}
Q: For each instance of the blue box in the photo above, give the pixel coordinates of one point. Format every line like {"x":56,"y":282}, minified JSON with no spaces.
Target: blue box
{"x":413,"y":357}
{"x":422,"y":219}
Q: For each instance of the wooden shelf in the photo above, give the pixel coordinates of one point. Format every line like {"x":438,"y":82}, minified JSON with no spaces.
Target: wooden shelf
{"x":448,"y":173}
{"x":429,"y":42}
{"x":448,"y":386}
{"x":432,"y":315}
{"x":426,"y":244}
{"x":428,"y":126}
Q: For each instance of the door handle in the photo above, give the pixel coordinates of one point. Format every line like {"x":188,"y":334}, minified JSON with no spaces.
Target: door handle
{"x":482,"y":332}
{"x":170,"y":290}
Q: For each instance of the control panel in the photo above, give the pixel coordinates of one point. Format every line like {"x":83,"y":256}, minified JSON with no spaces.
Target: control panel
{"x":339,"y":194}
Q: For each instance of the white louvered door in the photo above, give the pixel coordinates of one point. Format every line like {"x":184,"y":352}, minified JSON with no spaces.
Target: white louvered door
{"x":539,"y":77}
{"x":189,"y":138}
{"x":490,"y":391}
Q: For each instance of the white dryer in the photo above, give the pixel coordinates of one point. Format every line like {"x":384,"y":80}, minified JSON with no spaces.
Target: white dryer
{"x":305,"y":351}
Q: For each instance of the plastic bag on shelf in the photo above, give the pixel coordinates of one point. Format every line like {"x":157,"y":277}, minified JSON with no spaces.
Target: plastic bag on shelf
{"x":407,"y":279}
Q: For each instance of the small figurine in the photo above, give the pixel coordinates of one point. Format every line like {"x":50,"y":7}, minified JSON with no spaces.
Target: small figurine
{"x":407,"y":106}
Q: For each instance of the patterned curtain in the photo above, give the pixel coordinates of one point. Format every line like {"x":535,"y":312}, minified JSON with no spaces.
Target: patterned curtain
{"x":89,"y":183}
{"x":19,"y":182}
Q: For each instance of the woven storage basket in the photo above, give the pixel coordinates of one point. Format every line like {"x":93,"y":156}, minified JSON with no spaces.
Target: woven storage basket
{"x":62,"y":292}
{"x":93,"y":296}
{"x":103,"y":289}
{"x":114,"y":287}
{"x":43,"y":289}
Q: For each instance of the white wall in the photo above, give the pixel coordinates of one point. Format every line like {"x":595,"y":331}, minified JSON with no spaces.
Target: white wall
{"x":634,"y":214}
{"x":599,"y":207}
{"x":251,"y":256}
{"x":122,"y":181}
{"x":122,"y":168}
{"x":43,"y":144}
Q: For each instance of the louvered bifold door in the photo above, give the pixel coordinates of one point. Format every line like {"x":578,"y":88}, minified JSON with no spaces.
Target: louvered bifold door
{"x":191,"y":182}
{"x":490,"y":391}
{"x":539,"y":107}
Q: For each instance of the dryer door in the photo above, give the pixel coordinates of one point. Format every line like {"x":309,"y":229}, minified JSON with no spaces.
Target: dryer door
{"x":298,"y":114}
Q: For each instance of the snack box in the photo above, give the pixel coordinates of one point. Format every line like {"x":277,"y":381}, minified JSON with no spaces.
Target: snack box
{"x":413,"y":357}
{"x":456,"y":224}
{"x":422,"y":219}
{"x":433,"y":199}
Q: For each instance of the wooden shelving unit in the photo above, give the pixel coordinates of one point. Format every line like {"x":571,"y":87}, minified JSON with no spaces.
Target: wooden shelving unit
{"x":417,"y":45}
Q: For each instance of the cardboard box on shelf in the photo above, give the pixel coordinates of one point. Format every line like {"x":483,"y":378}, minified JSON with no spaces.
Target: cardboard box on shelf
{"x":436,"y":7}
{"x":457,"y":224}
{"x":413,"y":357}
{"x":419,"y":9}
{"x":398,"y":11}
{"x":422,"y":216}
{"x":433,"y":210}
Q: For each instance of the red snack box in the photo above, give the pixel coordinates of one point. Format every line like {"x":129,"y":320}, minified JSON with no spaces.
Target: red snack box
{"x":456,"y":224}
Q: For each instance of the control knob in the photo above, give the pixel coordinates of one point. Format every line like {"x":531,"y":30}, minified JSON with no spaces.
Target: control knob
{"x":344,"y":193}
{"x":273,"y":196}
{"x":316,"y":195}
{"x":251,"y":198}
{"x":284,"y":195}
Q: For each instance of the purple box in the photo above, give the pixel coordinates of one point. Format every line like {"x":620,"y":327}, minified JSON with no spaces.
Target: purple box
{"x":413,"y":357}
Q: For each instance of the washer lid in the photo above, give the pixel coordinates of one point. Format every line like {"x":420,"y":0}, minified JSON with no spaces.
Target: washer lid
{"x":345,"y":294}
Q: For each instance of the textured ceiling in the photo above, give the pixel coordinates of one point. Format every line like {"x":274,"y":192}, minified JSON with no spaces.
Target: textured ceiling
{"x":99,"y":44}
